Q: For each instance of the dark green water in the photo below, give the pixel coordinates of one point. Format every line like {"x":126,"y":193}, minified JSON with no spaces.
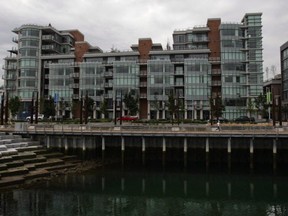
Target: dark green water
{"x":129,"y":192}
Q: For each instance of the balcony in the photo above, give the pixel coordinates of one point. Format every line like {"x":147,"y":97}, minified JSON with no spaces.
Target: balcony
{"x":214,"y":60}
{"x":143,"y":95}
{"x":143,"y":73}
{"x":216,"y":71}
{"x":9,"y":67}
{"x":75,"y":75}
{"x":75,"y":96}
{"x":108,"y":74}
{"x":108,"y":85}
{"x":50,"y":48}
{"x":9,"y":77}
{"x":179,"y":84}
{"x":143,"y":84}
{"x":74,"y":85}
{"x":15,"y":40}
{"x":110,"y":96}
{"x":216,"y":83}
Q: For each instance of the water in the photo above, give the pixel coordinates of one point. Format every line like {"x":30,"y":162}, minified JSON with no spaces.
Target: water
{"x":110,"y":191}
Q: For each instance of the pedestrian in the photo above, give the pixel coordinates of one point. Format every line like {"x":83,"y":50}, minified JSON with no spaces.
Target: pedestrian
{"x":218,"y":125}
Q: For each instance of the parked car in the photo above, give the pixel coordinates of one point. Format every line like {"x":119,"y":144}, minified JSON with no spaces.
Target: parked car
{"x":220,"y":119}
{"x":127,"y":118}
{"x":244,"y":119}
{"x":40,"y":117}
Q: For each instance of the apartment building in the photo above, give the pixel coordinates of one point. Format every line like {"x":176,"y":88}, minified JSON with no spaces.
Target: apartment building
{"x":216,"y":59}
{"x":284,"y":72}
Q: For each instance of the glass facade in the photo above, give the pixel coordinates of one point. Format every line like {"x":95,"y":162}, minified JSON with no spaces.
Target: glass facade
{"x":284,"y":71}
{"x":60,"y":81}
{"x":241,"y":64}
{"x":194,"y":71}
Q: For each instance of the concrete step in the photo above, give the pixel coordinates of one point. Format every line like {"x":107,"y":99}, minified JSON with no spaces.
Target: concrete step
{"x":14,"y":171}
{"x":6,"y":159}
{"x":49,"y":163}
{"x":37,"y":174}
{"x":53,"y":155}
{"x":35,"y":160}
{"x":16,"y":145}
{"x":69,"y":157}
{"x":61,"y":167}
{"x":3,"y":147}
{"x":41,"y":151}
{"x":29,"y":148}
{"x":14,"y":164}
{"x":30,"y":167}
{"x":24,"y":155}
{"x":9,"y":152}
{"x":3,"y":167}
{"x":11,"y":181}
{"x":13,"y":140}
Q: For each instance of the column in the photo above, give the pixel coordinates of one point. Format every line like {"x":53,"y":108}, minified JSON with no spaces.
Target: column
{"x":83,"y":143}
{"x":66,"y":143}
{"x":229,"y":153}
{"x":103,"y":148}
{"x":48,"y":142}
{"x":122,"y":149}
{"x":251,"y":150}
{"x":163,"y":151}
{"x":274,"y":154}
{"x":207,"y":153}
{"x":143,"y":150}
{"x":185,"y":152}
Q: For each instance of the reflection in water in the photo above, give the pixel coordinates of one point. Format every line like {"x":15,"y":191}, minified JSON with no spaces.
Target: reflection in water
{"x":108,"y":192}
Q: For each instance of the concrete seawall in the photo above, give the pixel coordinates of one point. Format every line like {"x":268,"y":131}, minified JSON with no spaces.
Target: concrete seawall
{"x":250,"y":144}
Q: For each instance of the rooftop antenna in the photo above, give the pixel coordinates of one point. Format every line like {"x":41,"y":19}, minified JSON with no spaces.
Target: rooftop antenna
{"x":168,"y":47}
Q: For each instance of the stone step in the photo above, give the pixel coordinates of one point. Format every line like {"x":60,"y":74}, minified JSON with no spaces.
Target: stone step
{"x":37,"y":174}
{"x":3,"y":167}
{"x":29,"y":149}
{"x":53,"y":155}
{"x":49,"y":163}
{"x":33,"y":143}
{"x":6,"y":159}
{"x":14,"y":171}
{"x":9,"y":152}
{"x":30,"y":167}
{"x":11,"y":181}
{"x":69,"y":157}
{"x":41,"y":151}
{"x":16,"y":145}
{"x":61,"y":167}
{"x":3,"y":147}
{"x":13,"y":140}
{"x":35,"y":160}
{"x":24,"y":155}
{"x":14,"y":164}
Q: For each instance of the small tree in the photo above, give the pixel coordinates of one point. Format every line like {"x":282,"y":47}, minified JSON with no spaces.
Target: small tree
{"x":217,"y":107}
{"x":155,"y":104}
{"x":131,"y":102}
{"x":49,"y":107}
{"x":14,"y":105}
{"x":261,"y":105}
{"x":90,"y":105}
{"x":171,"y":106}
{"x":250,"y":107}
{"x":104,"y":107}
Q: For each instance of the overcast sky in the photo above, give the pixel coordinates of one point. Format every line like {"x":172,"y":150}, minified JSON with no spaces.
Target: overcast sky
{"x":119,"y":23}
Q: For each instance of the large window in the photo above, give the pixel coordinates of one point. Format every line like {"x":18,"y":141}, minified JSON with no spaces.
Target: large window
{"x":28,"y":63}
